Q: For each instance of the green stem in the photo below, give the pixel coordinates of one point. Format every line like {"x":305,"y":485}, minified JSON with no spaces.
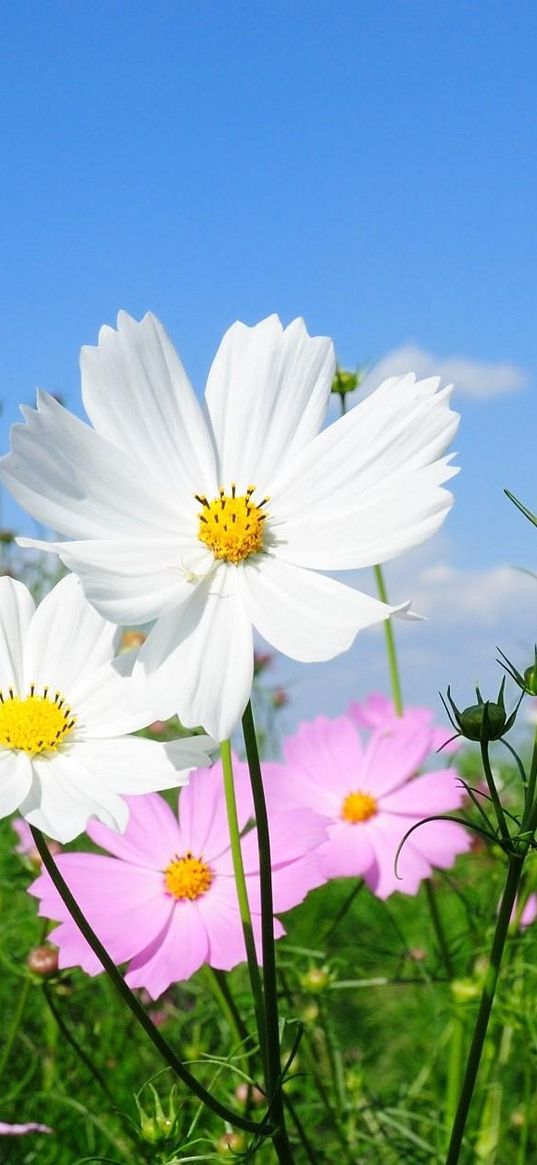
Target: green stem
{"x":131,"y":1000}
{"x":343,"y":910}
{"x":242,"y":892}
{"x":500,"y":816}
{"x":397,"y":694}
{"x":273,"y":1062}
{"x":529,"y":807}
{"x":439,"y":928}
{"x":79,"y":1051}
{"x":19,"y":1012}
{"x":218,"y":987}
{"x":15,"y":1024}
{"x":454,"y":1063}
{"x":514,"y":871}
{"x":395,"y":679}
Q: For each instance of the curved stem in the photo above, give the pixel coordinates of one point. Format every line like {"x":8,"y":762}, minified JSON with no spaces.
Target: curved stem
{"x":514,"y":871}
{"x":131,"y":1000}
{"x":242,"y":892}
{"x":274,"y":1089}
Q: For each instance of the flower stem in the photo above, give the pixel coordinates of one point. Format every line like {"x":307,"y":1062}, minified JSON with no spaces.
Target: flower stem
{"x":439,"y":928}
{"x":242,"y":892}
{"x":273,"y":1065}
{"x":514,"y":871}
{"x":500,"y":816}
{"x":395,"y":678}
{"x":397,"y":694}
{"x":15,"y":1024}
{"x":131,"y":1000}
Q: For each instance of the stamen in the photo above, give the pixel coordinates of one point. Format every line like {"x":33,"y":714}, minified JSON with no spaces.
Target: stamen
{"x":188,"y":877}
{"x":232,"y":525}
{"x":358,"y":807}
{"x":34,"y":724}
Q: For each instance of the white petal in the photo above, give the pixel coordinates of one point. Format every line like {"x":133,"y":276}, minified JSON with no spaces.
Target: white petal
{"x":137,"y":395}
{"x":15,"y":780}
{"x":266,"y":394}
{"x":72,"y":479}
{"x":385,"y":522}
{"x":65,"y":795}
{"x":66,"y":638}
{"x":133,"y":580}
{"x":16,"y":610}
{"x":369,"y":486}
{"x":302,"y":613}
{"x":132,"y":765}
{"x":198,"y":662}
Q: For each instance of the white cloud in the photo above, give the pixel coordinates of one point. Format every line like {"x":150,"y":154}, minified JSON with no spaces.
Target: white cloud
{"x":482,"y":597}
{"x":476,"y":378}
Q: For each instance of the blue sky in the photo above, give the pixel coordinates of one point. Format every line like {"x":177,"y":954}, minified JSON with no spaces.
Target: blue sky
{"x":368,"y":166}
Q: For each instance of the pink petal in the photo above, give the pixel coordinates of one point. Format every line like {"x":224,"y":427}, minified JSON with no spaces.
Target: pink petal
{"x":330,"y":754}
{"x":392,"y":757}
{"x":151,"y":838}
{"x":178,"y":952}
{"x":438,"y":792}
{"x":202,"y":809}
{"x":348,"y":852}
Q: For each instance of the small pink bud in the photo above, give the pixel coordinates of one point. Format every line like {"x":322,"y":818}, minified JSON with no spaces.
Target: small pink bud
{"x":43,"y":960}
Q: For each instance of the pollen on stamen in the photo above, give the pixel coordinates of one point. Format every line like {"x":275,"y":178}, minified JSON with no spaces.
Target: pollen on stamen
{"x":232,"y":524}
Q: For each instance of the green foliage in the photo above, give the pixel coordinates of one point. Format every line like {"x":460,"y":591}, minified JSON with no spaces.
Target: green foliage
{"x":385,"y":1034}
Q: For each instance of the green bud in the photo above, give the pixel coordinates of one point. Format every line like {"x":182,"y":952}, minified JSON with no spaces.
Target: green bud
{"x":465,"y":990}
{"x":345,"y":381}
{"x":485,"y":721}
{"x":158,"y":1126}
{"x":527,"y":682}
{"x":315,"y":980}
{"x":530,"y":680}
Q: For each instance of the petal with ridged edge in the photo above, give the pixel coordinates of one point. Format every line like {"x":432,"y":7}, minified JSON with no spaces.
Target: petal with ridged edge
{"x":370,"y":486}
{"x":70,"y":478}
{"x":137,"y":395}
{"x":267,"y":393}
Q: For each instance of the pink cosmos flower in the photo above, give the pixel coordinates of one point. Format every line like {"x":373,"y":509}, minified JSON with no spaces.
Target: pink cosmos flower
{"x":369,"y":795}
{"x":377,"y":711}
{"x":166,"y":902}
{"x":21,"y":1130}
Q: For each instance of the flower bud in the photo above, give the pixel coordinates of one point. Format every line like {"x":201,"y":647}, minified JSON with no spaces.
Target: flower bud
{"x":345,"y":381}
{"x":249,"y":1092}
{"x":465,"y":990}
{"x":158,"y":1126}
{"x":231,"y":1143}
{"x":485,"y":721}
{"x":43,"y":961}
{"x":315,"y":980}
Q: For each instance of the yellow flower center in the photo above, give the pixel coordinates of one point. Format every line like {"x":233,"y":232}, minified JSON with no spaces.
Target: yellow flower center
{"x":188,"y":877}
{"x":35,"y":724}
{"x":358,"y":807}
{"x":232,"y":525}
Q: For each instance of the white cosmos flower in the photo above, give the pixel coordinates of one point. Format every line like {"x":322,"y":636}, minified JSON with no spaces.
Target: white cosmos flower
{"x":64,"y":710}
{"x":216,"y":520}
